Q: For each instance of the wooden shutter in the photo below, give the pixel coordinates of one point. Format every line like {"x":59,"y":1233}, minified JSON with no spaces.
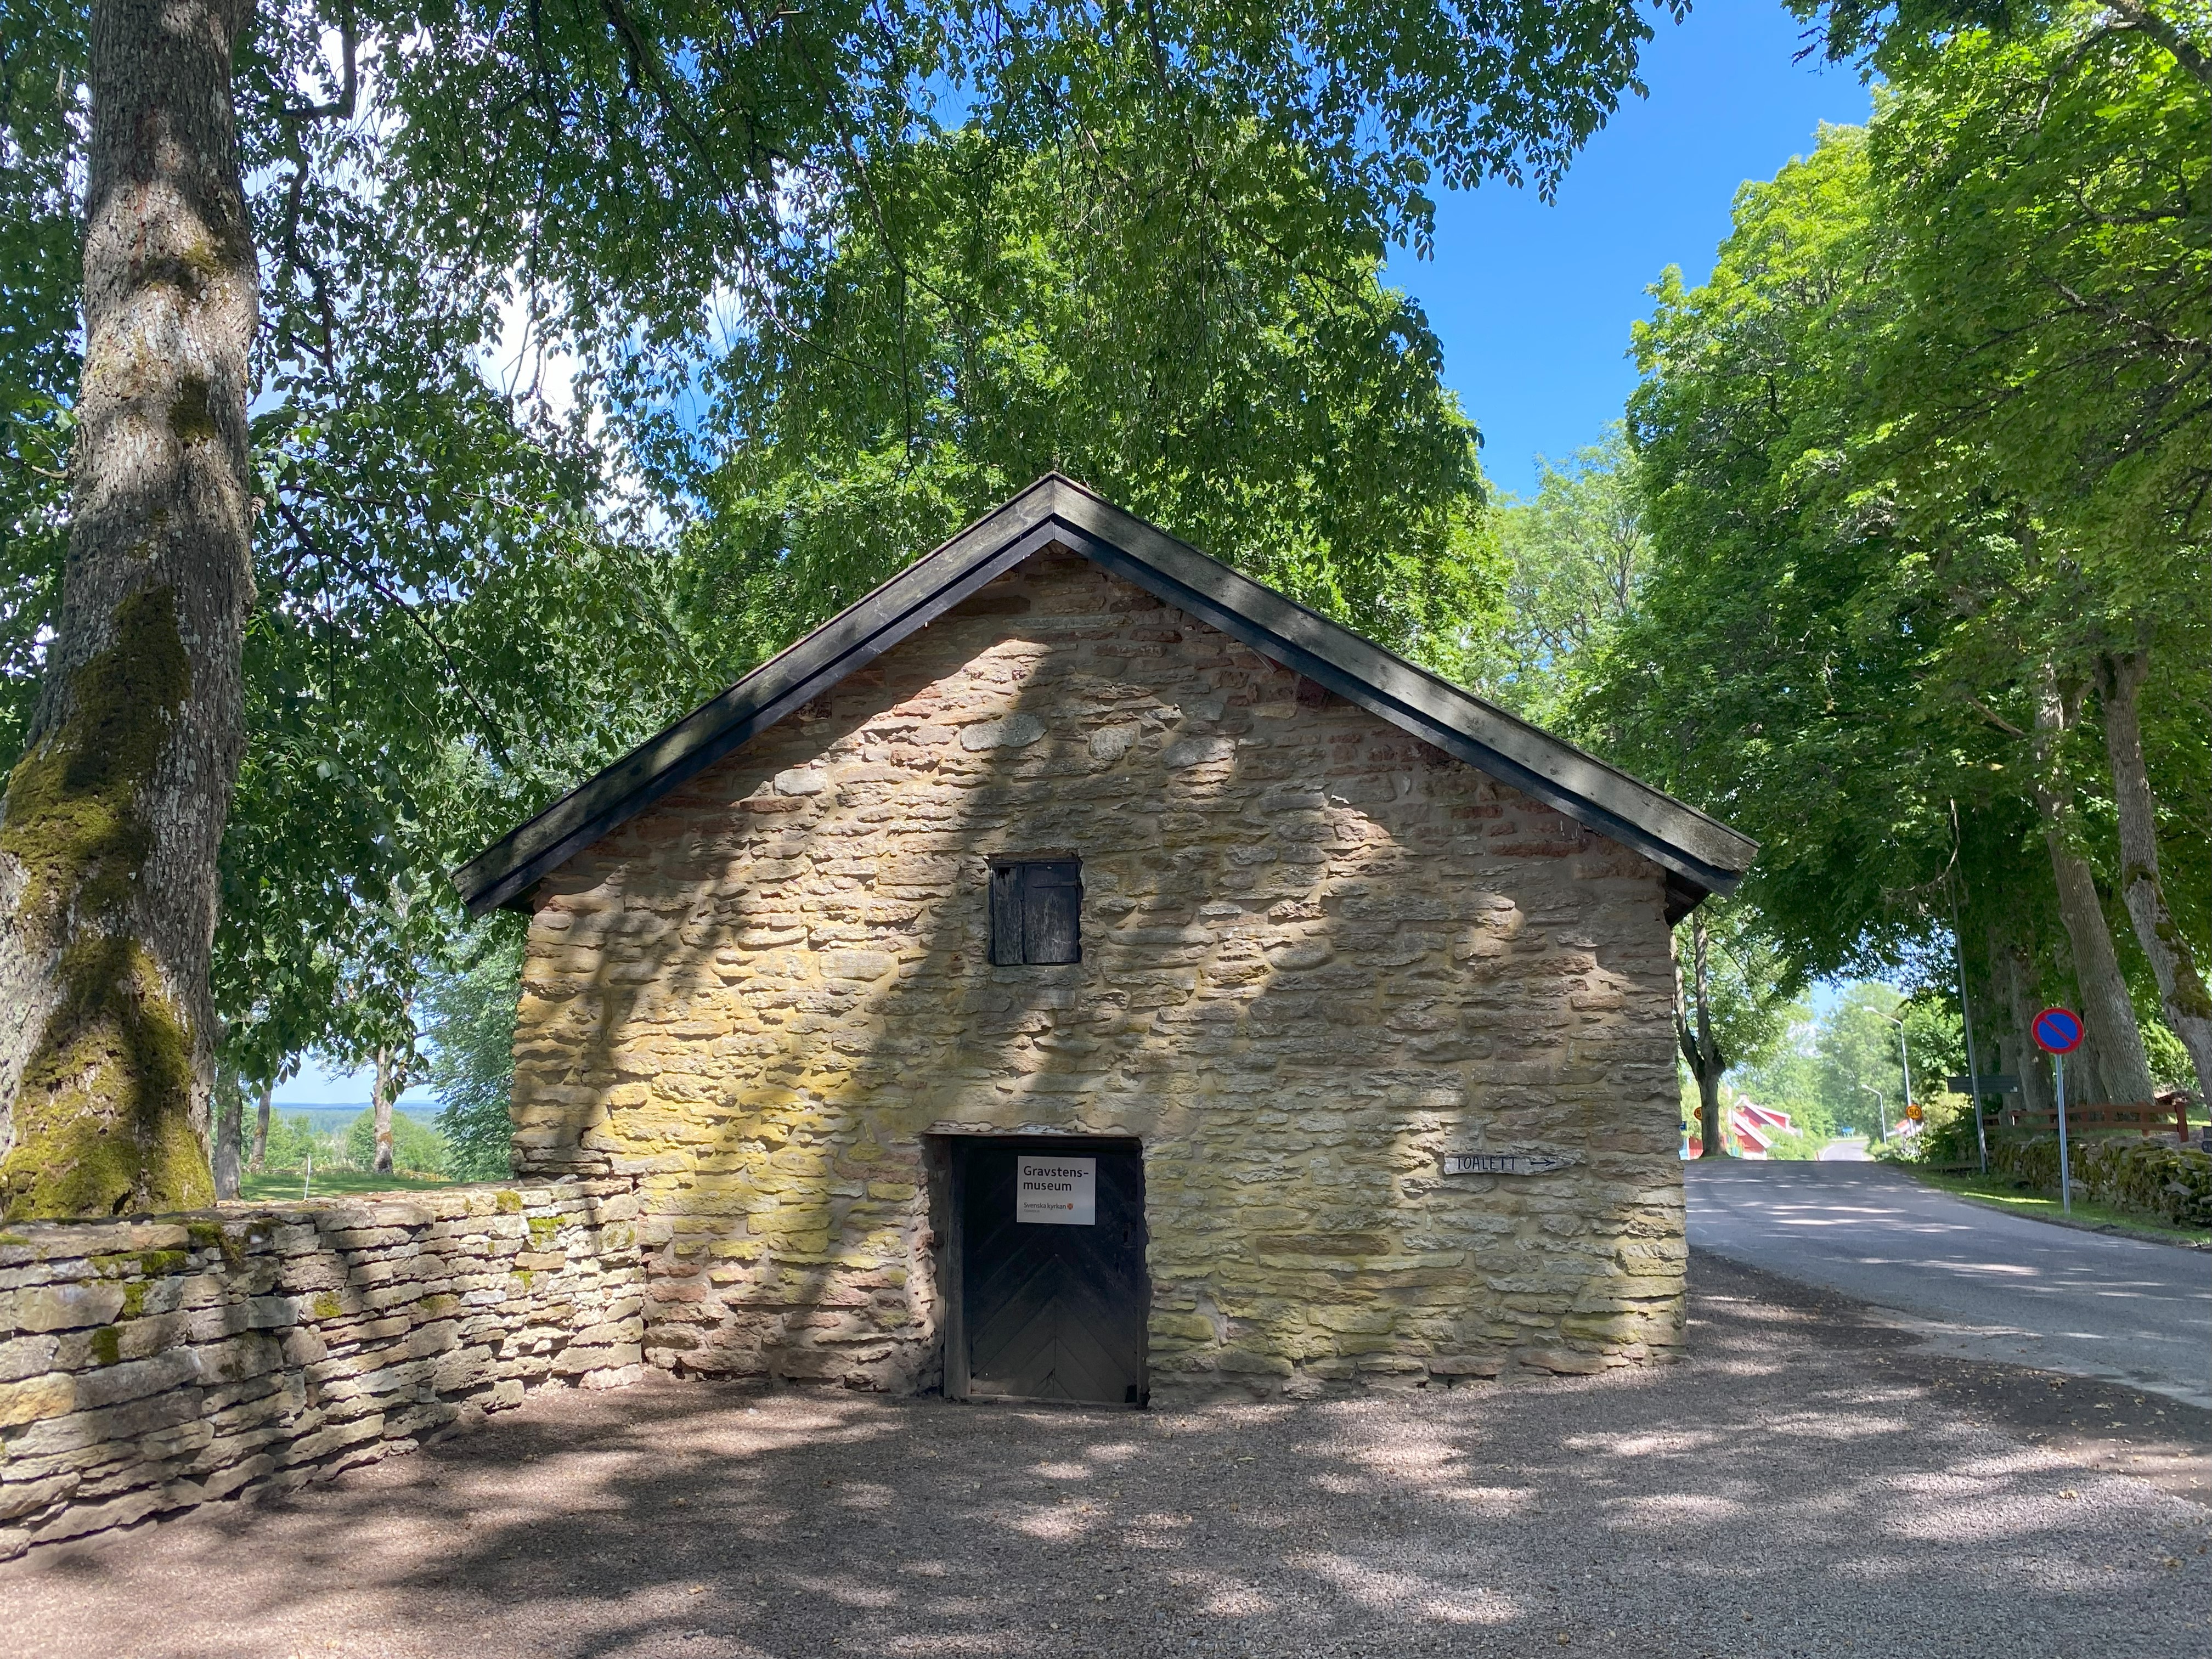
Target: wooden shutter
{"x":1052,"y":908}
{"x":1005,"y":914}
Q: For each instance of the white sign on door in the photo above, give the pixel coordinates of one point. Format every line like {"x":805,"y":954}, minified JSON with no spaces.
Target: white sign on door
{"x":1061,"y":1192}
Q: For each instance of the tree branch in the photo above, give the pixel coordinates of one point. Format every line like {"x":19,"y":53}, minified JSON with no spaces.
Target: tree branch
{"x":1994,"y":718}
{"x":342,"y":107}
{"x":2186,"y":52}
{"x":491,"y":726}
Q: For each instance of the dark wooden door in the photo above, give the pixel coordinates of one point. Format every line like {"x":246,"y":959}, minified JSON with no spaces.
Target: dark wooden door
{"x":1054,"y":1311}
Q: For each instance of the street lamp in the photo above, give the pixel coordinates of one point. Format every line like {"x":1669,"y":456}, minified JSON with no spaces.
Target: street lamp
{"x":1903,"y":1060}
{"x":1881,"y":1110}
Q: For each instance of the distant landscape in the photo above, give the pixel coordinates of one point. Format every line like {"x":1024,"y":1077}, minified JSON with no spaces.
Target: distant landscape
{"x":330,"y":1148}
{"x":330,"y":1119}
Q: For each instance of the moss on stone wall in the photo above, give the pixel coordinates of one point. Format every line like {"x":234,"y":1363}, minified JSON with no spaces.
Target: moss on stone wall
{"x":154,"y":1369}
{"x":2155,"y":1180}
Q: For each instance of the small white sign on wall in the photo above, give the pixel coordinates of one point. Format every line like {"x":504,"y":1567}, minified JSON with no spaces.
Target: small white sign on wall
{"x":1059,"y":1192}
{"x":1518,"y":1163}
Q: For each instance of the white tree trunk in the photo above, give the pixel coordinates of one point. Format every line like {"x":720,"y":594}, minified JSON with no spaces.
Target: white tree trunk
{"x":387,"y":1086}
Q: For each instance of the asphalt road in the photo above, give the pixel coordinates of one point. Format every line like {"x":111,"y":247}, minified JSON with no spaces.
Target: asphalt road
{"x":1970,"y":1281}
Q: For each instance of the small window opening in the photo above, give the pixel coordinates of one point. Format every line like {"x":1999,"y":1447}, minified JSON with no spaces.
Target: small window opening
{"x":1035,"y":908}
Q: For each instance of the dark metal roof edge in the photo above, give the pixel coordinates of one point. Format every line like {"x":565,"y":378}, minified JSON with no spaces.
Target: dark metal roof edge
{"x":1352,"y":686}
{"x":855,"y":636}
{"x":1683,"y":896}
{"x":1513,"y":740}
{"x":1057,"y":509}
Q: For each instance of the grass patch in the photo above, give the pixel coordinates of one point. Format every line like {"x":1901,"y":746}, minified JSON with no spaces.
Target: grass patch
{"x":336,"y":1183}
{"x":2000,"y":1194}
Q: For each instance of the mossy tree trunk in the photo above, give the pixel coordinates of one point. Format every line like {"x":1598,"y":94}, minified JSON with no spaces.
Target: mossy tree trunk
{"x":2107,"y":1013}
{"x":2181,"y":991}
{"x":112,"y":819}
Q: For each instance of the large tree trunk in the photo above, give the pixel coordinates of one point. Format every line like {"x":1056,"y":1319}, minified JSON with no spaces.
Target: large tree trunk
{"x":2180,"y":987}
{"x":1711,"y":1130}
{"x":259,"y":1161}
{"x":2085,"y":1077}
{"x":112,"y":820}
{"x":2124,"y":1068}
{"x":1694,"y":1032}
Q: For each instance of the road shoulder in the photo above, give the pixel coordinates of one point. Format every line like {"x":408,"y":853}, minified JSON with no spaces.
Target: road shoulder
{"x":2103,"y":1427}
{"x":2100,"y":1220}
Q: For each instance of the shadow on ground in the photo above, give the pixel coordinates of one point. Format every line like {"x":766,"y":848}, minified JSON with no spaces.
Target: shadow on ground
{"x":2093,"y":1423}
{"x":1795,"y":1489}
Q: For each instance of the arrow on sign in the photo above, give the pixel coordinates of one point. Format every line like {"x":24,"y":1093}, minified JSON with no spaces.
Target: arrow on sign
{"x":1514,"y":1163}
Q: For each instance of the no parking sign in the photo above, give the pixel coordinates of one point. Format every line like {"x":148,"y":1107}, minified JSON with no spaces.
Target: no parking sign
{"x":2058,"y":1030}
{"x":2058,"y":1033}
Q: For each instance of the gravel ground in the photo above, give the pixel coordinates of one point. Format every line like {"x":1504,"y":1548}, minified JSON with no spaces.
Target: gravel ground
{"x":1802,"y":1487}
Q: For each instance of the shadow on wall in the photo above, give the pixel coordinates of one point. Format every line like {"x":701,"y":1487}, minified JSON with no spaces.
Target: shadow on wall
{"x":1279,"y":998}
{"x":713,"y":1519}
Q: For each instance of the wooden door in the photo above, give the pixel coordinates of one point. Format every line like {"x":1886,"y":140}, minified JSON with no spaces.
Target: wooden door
{"x":1053,"y":1310}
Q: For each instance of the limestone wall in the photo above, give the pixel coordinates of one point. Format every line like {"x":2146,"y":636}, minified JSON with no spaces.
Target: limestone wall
{"x":148,"y":1365}
{"x":1317,"y":953}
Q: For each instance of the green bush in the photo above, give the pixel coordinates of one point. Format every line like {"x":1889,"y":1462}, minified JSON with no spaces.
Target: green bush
{"x":291,"y":1139}
{"x":417,"y":1149}
{"x":1946,"y":1133}
{"x":1796,"y":1145}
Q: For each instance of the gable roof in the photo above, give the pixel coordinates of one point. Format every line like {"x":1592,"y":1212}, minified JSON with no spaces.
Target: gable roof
{"x":1700,"y":854}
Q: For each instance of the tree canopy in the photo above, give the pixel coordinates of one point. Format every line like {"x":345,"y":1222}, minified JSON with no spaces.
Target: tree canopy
{"x":1923,"y":469}
{"x":1223,"y":361}
{"x":1573,"y":557}
{"x":588,"y":334}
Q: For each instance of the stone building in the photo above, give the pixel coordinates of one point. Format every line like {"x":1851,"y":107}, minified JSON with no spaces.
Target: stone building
{"x":1076,"y":970}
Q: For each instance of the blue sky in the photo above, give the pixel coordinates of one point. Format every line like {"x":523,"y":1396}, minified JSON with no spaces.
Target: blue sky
{"x":317,"y":1084}
{"x":1533,"y":303}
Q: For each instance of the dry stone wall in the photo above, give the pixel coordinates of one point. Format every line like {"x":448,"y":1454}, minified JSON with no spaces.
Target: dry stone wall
{"x":149,"y":1365}
{"x":1316,"y":954}
{"x":2154,"y":1177}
